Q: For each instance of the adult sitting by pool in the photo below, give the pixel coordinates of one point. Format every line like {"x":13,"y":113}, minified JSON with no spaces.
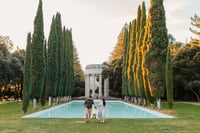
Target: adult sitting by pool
{"x":88,"y":108}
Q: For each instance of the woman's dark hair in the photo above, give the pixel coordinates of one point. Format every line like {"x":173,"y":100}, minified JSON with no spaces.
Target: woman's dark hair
{"x":104,"y":102}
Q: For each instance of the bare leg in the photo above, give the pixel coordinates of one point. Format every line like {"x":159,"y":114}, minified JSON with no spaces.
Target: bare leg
{"x":86,"y":114}
{"x":89,"y":111}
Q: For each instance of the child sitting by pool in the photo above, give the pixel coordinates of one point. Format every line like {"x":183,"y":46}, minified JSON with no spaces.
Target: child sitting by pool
{"x":94,"y":112}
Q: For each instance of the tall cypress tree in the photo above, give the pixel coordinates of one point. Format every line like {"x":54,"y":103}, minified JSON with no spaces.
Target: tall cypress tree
{"x":169,"y":79}
{"x":127,"y":57}
{"x":145,"y":49}
{"x":27,"y":74}
{"x":140,"y":42}
{"x":60,"y":54}
{"x":131,"y":59}
{"x":44,"y":89}
{"x":37,"y":55}
{"x":136,"y":60}
{"x":156,"y":55}
{"x":52,"y":62}
{"x":71,"y":63}
{"x":66,"y":62}
{"x":124,"y":71}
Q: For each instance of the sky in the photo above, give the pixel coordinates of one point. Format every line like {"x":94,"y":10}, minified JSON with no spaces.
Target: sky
{"x":95,"y":24}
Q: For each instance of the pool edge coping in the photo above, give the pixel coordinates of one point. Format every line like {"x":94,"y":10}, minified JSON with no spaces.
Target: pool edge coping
{"x":162,"y":115}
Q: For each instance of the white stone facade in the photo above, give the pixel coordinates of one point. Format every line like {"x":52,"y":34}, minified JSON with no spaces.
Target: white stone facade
{"x":93,"y":72}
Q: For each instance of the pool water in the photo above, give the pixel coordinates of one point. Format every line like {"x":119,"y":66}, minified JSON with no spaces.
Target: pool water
{"x":115,"y":109}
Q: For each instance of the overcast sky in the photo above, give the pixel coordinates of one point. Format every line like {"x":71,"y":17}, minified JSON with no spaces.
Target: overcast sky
{"x":95,"y":24}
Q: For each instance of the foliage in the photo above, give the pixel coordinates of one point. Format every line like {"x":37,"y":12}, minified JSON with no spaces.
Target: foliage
{"x":52,"y":61}
{"x":68,"y":63}
{"x":58,"y":24}
{"x":195,"y":21}
{"x":125,"y":60}
{"x":131,"y":59}
{"x":37,"y":54}
{"x":79,"y":82}
{"x":27,"y":83}
{"x":11,"y":68}
{"x":186,"y":69}
{"x":157,"y":41}
{"x":169,"y":79}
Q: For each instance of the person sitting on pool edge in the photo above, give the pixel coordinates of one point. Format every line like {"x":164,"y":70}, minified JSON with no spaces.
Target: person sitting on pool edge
{"x":88,"y":108}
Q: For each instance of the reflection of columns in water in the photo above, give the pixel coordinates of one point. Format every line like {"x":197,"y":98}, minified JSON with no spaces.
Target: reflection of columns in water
{"x":106,"y":87}
{"x":100,"y":85}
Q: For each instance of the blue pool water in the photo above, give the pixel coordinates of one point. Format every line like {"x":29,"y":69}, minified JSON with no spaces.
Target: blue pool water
{"x":115,"y":109}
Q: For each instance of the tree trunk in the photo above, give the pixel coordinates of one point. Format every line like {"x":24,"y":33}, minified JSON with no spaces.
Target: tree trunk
{"x":144,"y":102}
{"x":196,"y":94}
{"x":34,"y":104}
{"x":50,"y":99}
{"x":159,"y":106}
{"x":57,"y":100}
{"x":135,"y":100}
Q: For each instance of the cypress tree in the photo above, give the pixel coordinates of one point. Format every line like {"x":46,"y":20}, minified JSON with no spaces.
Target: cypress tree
{"x":124,"y":70}
{"x":27,"y":74}
{"x":66,"y":62}
{"x":71,"y":63}
{"x":131,"y":58}
{"x":145,"y":49}
{"x":155,"y":58}
{"x":126,"y":43}
{"x":60,"y":54}
{"x":52,"y":62}
{"x":136,"y":60}
{"x":127,"y":58}
{"x":44,"y":89}
{"x":37,"y":56}
{"x":169,"y":79}
{"x":140,"y":43}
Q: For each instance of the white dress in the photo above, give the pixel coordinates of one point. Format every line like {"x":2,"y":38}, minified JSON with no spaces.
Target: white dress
{"x":101,"y":111}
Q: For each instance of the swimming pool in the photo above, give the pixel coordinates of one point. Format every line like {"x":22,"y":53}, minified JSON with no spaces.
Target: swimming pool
{"x":115,"y":109}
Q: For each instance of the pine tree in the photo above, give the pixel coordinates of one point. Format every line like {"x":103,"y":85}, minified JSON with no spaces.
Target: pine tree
{"x":60,"y":54}
{"x":27,"y":74}
{"x":52,"y":62}
{"x":155,"y":58}
{"x":195,"y":21}
{"x":37,"y":56}
{"x":169,"y":79}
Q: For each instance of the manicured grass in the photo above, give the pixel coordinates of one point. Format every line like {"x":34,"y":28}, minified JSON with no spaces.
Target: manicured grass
{"x":188,"y":120}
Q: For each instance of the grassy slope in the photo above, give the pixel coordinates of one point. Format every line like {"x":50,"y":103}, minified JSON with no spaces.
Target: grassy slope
{"x":188,"y":120}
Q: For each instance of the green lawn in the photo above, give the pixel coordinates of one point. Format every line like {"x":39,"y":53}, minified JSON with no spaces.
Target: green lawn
{"x":187,"y":121}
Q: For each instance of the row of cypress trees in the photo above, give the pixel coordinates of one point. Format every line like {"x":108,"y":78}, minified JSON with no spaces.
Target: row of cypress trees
{"x":49,"y":67}
{"x":145,"y":52}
